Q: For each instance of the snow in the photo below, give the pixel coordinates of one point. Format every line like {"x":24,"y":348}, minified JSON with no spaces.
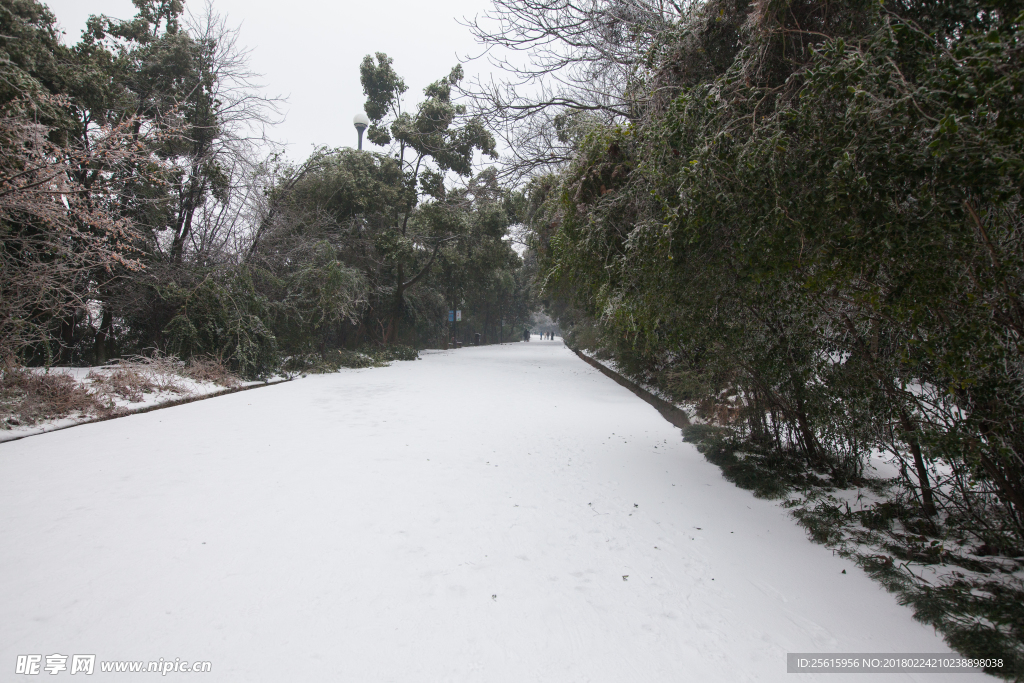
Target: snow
{"x":501,"y":513}
{"x":610,"y":363}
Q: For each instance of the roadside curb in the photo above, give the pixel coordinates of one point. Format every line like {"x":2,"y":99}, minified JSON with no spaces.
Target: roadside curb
{"x":677,"y":417}
{"x":145,"y":409}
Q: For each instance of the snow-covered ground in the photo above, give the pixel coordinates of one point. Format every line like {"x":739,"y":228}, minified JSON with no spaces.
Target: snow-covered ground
{"x":502,"y":513}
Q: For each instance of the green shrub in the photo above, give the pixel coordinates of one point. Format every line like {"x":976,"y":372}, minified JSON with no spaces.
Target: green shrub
{"x":327,"y":362}
{"x":392,"y":352}
{"x":223,"y":316}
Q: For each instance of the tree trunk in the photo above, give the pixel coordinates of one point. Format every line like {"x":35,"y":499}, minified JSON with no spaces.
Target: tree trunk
{"x":910,"y":431}
{"x":398,"y":309}
{"x":101,"y":350}
{"x":811,"y":447}
{"x":391,"y":334}
{"x":870,"y":350}
{"x":190,"y":201}
{"x":66,"y":339}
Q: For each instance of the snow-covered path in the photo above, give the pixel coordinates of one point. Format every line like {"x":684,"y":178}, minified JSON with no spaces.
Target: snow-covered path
{"x":491,"y":514}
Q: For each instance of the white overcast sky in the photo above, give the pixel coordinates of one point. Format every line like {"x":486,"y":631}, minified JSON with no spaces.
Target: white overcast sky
{"x":309,"y":51}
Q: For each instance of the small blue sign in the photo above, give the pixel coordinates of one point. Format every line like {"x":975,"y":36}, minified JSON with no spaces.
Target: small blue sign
{"x":451,"y":316}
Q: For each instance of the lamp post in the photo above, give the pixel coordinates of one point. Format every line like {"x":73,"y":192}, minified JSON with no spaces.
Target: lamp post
{"x":361,"y":122}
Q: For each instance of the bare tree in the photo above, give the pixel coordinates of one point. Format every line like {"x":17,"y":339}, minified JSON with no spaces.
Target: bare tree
{"x":57,"y":232}
{"x":224,"y":144}
{"x":566,"y":63}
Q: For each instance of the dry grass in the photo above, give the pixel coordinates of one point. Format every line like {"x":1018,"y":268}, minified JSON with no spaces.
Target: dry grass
{"x":27,"y":398}
{"x":122,"y":382}
{"x":211,"y":370}
{"x":133,"y":377}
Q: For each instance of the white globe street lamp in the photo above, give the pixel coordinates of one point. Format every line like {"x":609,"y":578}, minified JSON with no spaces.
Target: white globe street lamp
{"x":361,"y":122}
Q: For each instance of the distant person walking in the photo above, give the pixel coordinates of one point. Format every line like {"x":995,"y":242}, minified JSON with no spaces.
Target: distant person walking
{"x":526,"y":335}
